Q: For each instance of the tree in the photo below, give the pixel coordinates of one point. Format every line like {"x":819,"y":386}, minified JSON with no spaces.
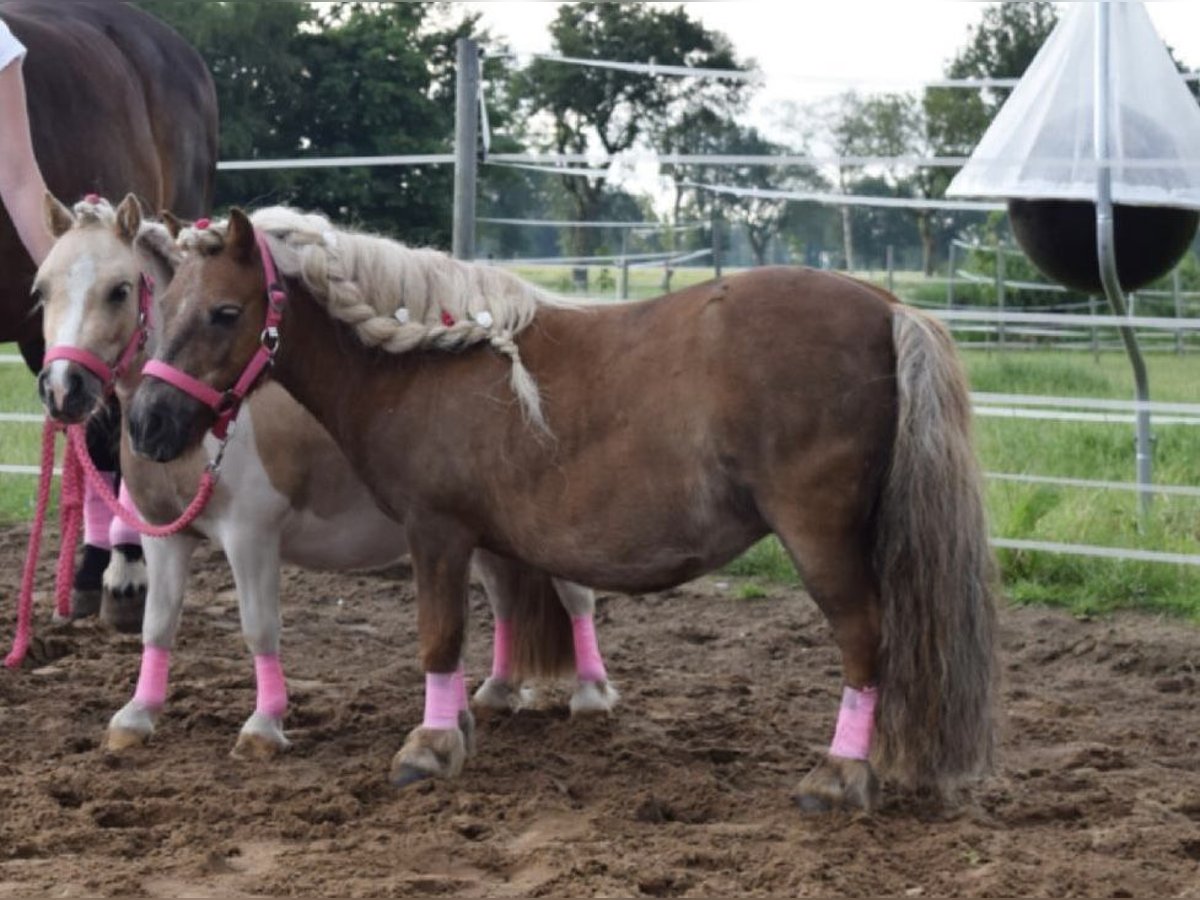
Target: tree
{"x":611,"y":109}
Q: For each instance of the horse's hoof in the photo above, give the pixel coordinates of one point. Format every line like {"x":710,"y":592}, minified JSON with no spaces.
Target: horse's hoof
{"x":261,"y":739}
{"x":404,"y":775}
{"x":593,"y":698}
{"x":497,"y":695}
{"x":84,"y":603}
{"x":123,"y":613}
{"x":838,"y":783}
{"x":433,"y":752}
{"x":119,"y":739}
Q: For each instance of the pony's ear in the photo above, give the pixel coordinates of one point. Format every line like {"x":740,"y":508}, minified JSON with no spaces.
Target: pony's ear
{"x":239,"y":240}
{"x":57,"y":218}
{"x":129,"y":218}
{"x":174,"y":224}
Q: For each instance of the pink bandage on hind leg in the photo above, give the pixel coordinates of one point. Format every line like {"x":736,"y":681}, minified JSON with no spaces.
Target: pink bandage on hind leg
{"x":151,"y":689}
{"x":588,"y":664}
{"x":119,"y":532}
{"x":502,"y":651}
{"x":460,"y":686}
{"x":855,"y":724}
{"x":441,"y":701}
{"x":272,"y":689}
{"x":96,"y":518}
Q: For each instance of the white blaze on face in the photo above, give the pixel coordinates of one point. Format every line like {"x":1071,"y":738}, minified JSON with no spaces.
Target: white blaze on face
{"x":80,"y":278}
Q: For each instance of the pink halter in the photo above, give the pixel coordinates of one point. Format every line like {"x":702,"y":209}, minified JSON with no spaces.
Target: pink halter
{"x":227,"y":403}
{"x":110,"y":375}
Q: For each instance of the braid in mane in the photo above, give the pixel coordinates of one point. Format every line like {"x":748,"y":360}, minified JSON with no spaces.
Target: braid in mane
{"x":395,"y":297}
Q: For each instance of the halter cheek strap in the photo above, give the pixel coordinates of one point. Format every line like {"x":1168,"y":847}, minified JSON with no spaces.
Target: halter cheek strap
{"x":110,"y":375}
{"x":227,"y":403}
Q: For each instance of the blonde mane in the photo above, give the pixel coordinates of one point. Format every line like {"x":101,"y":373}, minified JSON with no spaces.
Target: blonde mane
{"x":399,"y":298}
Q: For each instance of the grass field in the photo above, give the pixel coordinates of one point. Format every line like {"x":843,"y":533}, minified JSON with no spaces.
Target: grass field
{"x":1095,"y":451}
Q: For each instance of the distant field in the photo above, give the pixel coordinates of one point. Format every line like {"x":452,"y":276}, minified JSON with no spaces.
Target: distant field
{"x":1068,"y":449}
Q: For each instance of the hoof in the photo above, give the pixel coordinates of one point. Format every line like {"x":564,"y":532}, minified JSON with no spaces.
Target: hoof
{"x":131,"y":726}
{"x":84,"y":603}
{"x":123,"y":592}
{"x":123,"y":613}
{"x":466,"y":724}
{"x":260,"y":740}
{"x":497,"y":695}
{"x":593,"y":698}
{"x":429,"y":753}
{"x":836,"y":784}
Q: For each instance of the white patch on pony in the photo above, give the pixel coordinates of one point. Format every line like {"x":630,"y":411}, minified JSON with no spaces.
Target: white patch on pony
{"x":80,"y":278}
{"x":122,"y":576}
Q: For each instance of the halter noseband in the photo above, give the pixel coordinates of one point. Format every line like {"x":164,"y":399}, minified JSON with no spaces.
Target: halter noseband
{"x":227,"y":403}
{"x":110,"y":375}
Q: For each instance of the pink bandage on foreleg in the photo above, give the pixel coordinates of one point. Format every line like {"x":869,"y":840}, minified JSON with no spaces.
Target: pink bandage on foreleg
{"x":119,"y":532}
{"x":502,"y":651}
{"x":588,"y":664}
{"x":460,"y":687}
{"x":96,"y":518}
{"x":855,"y":724}
{"x":272,"y":689}
{"x":151,"y":689}
{"x":441,"y":701}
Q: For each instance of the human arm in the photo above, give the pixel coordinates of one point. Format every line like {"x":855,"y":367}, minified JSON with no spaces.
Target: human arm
{"x":21,"y":184}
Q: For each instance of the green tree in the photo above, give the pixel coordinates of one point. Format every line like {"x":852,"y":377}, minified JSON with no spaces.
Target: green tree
{"x":610,"y":109}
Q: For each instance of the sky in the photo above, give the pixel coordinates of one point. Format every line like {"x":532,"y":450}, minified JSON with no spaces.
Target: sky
{"x":811,"y":48}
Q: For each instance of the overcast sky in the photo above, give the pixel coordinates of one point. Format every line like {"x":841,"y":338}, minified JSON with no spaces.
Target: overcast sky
{"x":808,"y":48}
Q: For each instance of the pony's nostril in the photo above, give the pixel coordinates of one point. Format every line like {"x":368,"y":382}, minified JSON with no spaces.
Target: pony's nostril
{"x":74,"y":383}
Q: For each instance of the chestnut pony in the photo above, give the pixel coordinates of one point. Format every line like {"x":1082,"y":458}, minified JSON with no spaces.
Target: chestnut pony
{"x":284,"y":493}
{"x":631,"y":447}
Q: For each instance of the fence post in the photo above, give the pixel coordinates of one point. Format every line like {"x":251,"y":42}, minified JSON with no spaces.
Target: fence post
{"x":624,"y":286}
{"x":1095,"y":330}
{"x":950,"y":280}
{"x":1177,"y":293}
{"x":716,"y":241}
{"x":1000,"y":291}
{"x":891,"y":269}
{"x":466,"y":137}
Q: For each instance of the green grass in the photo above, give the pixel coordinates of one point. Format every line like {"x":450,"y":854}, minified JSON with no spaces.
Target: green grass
{"x":20,"y":442}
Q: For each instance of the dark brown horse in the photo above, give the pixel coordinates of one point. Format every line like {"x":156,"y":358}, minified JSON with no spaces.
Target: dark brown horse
{"x":644,"y":444}
{"x":118,"y":103}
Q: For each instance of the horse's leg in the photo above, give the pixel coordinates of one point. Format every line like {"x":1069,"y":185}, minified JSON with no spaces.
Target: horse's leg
{"x":102,"y":432}
{"x":441,"y":554}
{"x":254,"y":557}
{"x":835,"y":562}
{"x":123,"y":598}
{"x":167,"y":565}
{"x":594,"y":693}
{"x":498,"y":692}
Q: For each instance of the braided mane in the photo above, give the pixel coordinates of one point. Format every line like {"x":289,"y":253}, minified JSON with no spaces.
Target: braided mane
{"x":399,"y":298}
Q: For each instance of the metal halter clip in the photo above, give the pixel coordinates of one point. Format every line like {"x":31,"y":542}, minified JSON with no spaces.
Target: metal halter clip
{"x":214,"y":464}
{"x":270,"y":340}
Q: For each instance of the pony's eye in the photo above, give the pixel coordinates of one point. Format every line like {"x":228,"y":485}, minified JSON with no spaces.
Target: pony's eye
{"x":120,"y":293}
{"x":225,"y":316}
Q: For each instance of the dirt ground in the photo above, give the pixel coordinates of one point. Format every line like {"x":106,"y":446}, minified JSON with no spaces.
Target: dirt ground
{"x":685,"y":791}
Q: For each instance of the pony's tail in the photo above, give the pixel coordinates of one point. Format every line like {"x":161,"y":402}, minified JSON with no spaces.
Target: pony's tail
{"x":935,"y":722}
{"x":543,"y":643}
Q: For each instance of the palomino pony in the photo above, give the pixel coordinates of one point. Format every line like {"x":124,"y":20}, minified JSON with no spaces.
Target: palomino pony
{"x":285,"y":492}
{"x":630,"y":447}
{"x":118,"y":103}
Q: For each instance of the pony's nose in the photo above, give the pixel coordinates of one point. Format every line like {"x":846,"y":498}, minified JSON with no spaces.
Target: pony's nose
{"x":64,"y":397}
{"x":154,"y":435}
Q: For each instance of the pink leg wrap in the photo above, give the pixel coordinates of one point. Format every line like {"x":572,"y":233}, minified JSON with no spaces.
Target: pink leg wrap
{"x":502,"y":650}
{"x":855,"y":724}
{"x":119,"y":532}
{"x":272,"y":689}
{"x":152,"y":680}
{"x":441,"y":701}
{"x":588,"y":664}
{"x":96,"y":518}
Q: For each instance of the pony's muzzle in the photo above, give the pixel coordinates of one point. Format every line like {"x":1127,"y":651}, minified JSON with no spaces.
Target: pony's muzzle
{"x":68,"y":391}
{"x":163,"y":421}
